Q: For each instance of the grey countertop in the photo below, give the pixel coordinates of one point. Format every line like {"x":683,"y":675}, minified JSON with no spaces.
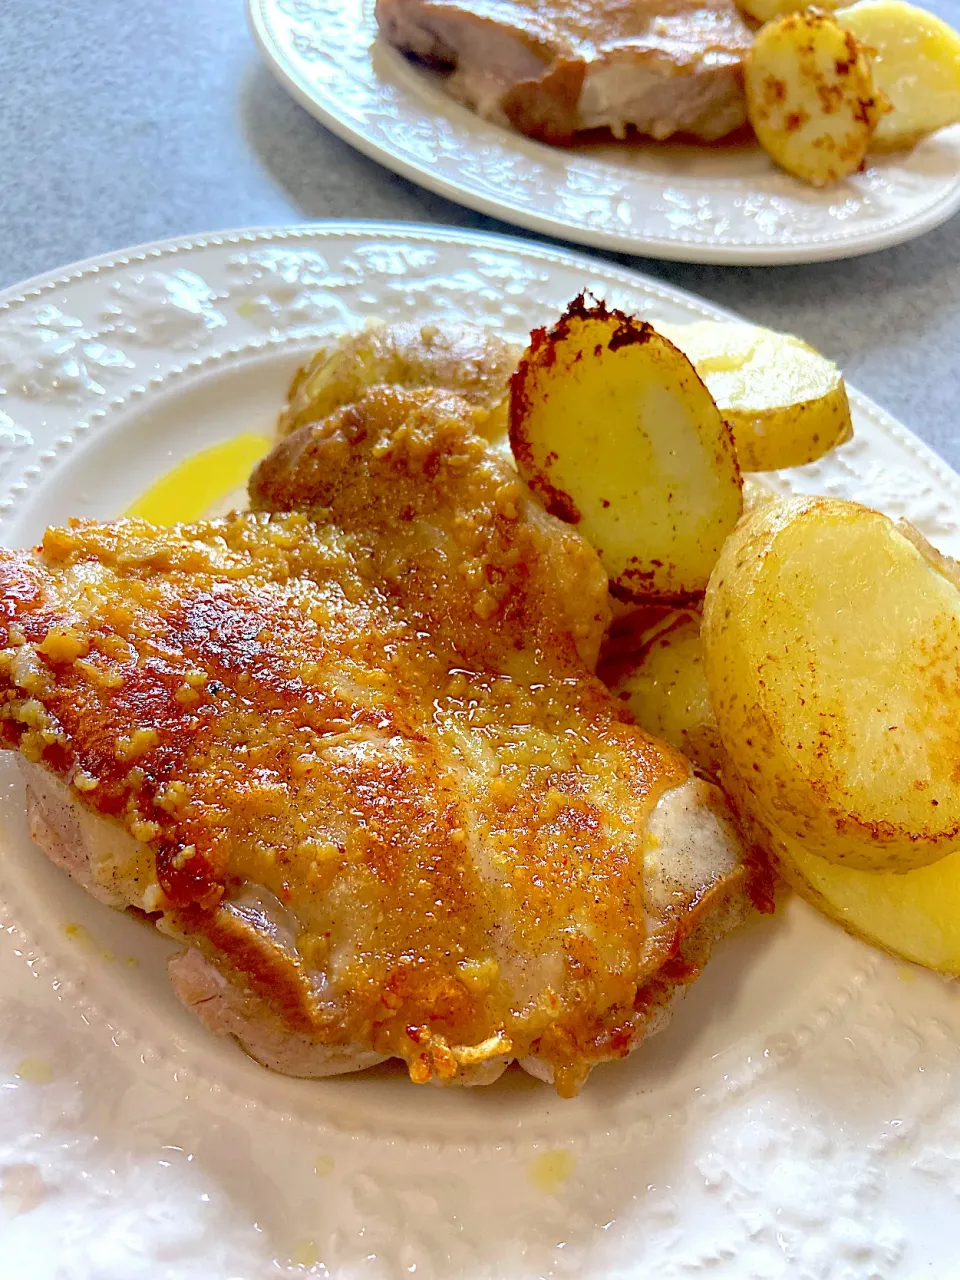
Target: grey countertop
{"x":123,"y":122}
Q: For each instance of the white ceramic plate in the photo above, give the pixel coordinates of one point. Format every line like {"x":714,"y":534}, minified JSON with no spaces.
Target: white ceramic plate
{"x":799,"y":1118}
{"x":694,"y":204}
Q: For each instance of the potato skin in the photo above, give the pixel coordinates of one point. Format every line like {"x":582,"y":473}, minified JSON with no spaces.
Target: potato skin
{"x":791,"y":436}
{"x":613,"y":429}
{"x":810,"y":96}
{"x":840,"y":717}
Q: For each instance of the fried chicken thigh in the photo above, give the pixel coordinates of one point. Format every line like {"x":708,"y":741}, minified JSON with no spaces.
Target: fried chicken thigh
{"x":349,"y":749}
{"x":552,"y":68}
{"x":469,"y":359}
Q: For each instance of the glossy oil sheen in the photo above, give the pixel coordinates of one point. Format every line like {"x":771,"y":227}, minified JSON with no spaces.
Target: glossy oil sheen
{"x":196,"y":484}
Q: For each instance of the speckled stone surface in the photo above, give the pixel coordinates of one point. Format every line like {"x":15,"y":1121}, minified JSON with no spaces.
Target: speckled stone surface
{"x":123,"y":122}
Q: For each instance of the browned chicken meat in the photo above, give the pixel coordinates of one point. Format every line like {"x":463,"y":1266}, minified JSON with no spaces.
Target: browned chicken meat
{"x":553,"y":68}
{"x":349,"y":749}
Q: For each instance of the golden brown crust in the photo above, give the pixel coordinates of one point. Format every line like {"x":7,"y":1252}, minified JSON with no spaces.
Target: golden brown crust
{"x":391,"y":469}
{"x":548,"y":108}
{"x":448,"y":802}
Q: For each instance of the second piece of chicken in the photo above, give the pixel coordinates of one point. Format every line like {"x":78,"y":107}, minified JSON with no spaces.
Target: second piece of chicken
{"x":553,"y":68}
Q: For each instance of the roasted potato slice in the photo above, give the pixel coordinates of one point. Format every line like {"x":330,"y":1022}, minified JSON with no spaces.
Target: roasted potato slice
{"x":473,"y":361}
{"x":832,"y":652}
{"x":786,"y":403}
{"x":611,"y":425}
{"x":810,"y":96}
{"x":914,"y":915}
{"x":915,"y":58}
{"x":662,"y":681}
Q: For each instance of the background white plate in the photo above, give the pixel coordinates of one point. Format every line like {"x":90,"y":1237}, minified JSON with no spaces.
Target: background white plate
{"x":692,"y":204}
{"x":799,"y":1118}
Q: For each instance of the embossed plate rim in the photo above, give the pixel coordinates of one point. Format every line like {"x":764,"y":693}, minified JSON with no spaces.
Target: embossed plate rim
{"x":34,"y":287}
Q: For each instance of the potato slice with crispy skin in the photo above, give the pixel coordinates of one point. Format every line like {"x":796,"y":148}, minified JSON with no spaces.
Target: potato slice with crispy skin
{"x":832,"y":652}
{"x":810,"y":96}
{"x":786,"y":403}
{"x":662,"y":681}
{"x":611,"y":425}
{"x":915,"y":58}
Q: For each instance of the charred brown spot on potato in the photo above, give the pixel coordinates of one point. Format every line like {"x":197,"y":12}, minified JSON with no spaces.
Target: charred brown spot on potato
{"x":819,"y":128}
{"x":866,"y":110}
{"x":831,"y":98}
{"x":628,"y":332}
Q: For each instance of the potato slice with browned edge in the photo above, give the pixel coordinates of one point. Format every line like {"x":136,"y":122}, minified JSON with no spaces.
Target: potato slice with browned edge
{"x":662,"y":681}
{"x":810,"y":96}
{"x":915,"y":58}
{"x":832,"y":651}
{"x":612,"y":427}
{"x":913,"y":914}
{"x":473,"y":361}
{"x":786,"y":403}
{"x":916,"y":915}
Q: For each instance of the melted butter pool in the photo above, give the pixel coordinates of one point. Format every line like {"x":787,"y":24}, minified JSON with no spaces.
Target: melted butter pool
{"x":198,"y":484}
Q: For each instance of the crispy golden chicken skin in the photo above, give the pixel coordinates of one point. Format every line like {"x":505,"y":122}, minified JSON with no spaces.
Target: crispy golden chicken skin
{"x":350,"y":750}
